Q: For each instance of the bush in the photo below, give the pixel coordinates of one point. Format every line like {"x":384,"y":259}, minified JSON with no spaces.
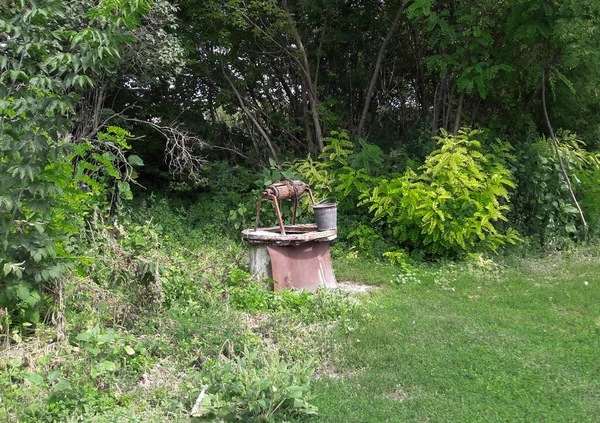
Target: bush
{"x":543,"y":206}
{"x":49,"y":184}
{"x":344,"y":175}
{"x":450,"y":205}
{"x":340,"y":173}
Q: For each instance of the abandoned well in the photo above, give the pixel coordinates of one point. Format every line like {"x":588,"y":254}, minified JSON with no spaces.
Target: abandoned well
{"x":298,"y":259}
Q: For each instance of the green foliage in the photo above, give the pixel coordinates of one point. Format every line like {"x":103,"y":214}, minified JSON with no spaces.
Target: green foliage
{"x":543,"y":203}
{"x":400,"y":259}
{"x":103,"y":168}
{"x":47,"y":183}
{"x":370,"y":158}
{"x":367,"y":240}
{"x":273,"y":174}
{"x":42,"y":242}
{"x":344,"y":175}
{"x":334,"y":175}
{"x":112,"y":351}
{"x":89,"y":379}
{"x":450,"y":206}
{"x":462,"y":41}
{"x":256,"y":386}
{"x":156,"y":50}
{"x":153,"y":303}
{"x":251,"y":297}
{"x":322,"y":305}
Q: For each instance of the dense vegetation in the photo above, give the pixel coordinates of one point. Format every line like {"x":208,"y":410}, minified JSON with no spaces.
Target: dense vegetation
{"x":136,"y":136}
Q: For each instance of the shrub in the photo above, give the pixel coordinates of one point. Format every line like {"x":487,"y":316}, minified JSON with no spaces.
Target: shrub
{"x":543,"y":206}
{"x":341,"y":173}
{"x":449,"y":206}
{"x":344,"y":175}
{"x":47,"y":182}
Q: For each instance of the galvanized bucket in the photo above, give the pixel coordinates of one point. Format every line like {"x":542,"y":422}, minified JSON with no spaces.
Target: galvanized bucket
{"x":326,"y":216}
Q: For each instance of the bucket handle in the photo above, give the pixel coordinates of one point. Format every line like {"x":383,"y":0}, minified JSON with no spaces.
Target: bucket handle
{"x":331,"y":200}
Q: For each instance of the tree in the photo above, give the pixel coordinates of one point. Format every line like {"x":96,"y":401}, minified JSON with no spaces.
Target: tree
{"x":52,"y":54}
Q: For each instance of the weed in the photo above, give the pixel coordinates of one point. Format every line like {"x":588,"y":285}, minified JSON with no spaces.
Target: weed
{"x":255,"y":386}
{"x":322,"y":305}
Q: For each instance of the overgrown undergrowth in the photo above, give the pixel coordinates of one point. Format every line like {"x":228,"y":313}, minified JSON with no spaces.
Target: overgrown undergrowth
{"x":163,"y":323}
{"x":218,"y":346}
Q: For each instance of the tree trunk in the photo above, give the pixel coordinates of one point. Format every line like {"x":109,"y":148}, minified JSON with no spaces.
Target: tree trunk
{"x":309,"y":134}
{"x":459,"y":112}
{"x":421,"y":89}
{"x":90,"y":112}
{"x":294,"y":104}
{"x":475,"y":111}
{"x":436,"y":108}
{"x":311,"y":87}
{"x":375,"y":76}
{"x":448,"y":103}
{"x":252,"y":118}
{"x":311,"y":90}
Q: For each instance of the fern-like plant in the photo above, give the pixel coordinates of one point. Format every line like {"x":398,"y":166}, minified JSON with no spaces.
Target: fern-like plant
{"x":340,"y":172}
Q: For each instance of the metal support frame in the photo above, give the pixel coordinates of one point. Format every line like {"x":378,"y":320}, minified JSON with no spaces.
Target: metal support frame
{"x":267,"y":195}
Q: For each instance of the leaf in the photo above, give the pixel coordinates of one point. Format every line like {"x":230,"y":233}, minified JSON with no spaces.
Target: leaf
{"x":107,"y":337}
{"x":93,"y":350}
{"x":108,"y":366}
{"x":135,"y":160}
{"x":33,"y":299}
{"x":35,"y":379}
{"x":129,"y":350}
{"x":84,"y":336}
{"x":63,"y":385}
{"x":294,"y":392}
{"x":55,"y":271}
{"x":23,"y":291}
{"x":53,"y":375}
{"x":125,"y":190}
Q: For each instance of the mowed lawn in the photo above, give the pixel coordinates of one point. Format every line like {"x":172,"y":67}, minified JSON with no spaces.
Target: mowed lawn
{"x":467,"y":344}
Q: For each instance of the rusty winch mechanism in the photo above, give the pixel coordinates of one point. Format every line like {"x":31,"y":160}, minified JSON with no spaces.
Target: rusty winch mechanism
{"x":283,"y":190}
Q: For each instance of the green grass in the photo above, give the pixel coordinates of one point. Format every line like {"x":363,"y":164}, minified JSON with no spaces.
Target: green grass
{"x":363,"y":271}
{"x":466,"y":345}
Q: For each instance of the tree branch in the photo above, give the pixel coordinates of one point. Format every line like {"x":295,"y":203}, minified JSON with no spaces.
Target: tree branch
{"x":555,"y":143}
{"x":251,"y":116}
{"x":179,"y":149}
{"x":378,"y":62}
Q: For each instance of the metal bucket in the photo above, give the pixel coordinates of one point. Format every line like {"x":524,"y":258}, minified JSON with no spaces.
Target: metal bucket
{"x":326,"y":216}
